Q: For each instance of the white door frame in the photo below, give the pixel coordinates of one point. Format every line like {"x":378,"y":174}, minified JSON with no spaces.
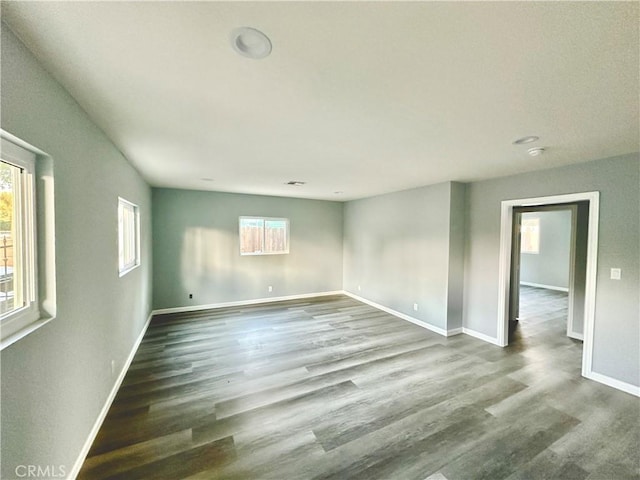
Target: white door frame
{"x":504,"y":273}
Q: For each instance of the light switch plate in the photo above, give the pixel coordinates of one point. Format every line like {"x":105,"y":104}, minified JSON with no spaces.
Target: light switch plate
{"x":616,"y":273}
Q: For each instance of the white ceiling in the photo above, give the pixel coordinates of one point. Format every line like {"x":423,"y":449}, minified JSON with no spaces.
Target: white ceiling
{"x":356,"y":97}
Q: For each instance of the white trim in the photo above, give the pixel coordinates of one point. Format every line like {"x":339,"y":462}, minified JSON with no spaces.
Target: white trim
{"x":239,"y":303}
{"x":612,"y":382}
{"x":576,"y":336}
{"x":408,"y":318}
{"x":506,"y":227}
{"x":107,"y":405}
{"x":548,"y":287}
{"x":480,"y":336}
{"x":454,"y":331}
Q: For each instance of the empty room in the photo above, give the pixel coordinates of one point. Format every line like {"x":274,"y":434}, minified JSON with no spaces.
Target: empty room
{"x":320,"y":240}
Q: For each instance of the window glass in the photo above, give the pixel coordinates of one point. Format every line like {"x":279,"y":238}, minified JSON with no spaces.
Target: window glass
{"x":264,"y":236}
{"x":530,"y":235}
{"x":128,"y":236}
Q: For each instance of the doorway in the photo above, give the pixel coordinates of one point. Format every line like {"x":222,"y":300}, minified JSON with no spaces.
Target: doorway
{"x":548,"y":266}
{"x":582,"y":302}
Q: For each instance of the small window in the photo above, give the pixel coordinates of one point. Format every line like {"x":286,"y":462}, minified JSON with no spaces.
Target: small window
{"x":18,"y":280}
{"x":128,"y":236}
{"x":530,"y":235}
{"x":264,"y":236}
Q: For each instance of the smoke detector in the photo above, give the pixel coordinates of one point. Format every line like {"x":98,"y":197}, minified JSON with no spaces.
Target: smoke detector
{"x":536,"y":151}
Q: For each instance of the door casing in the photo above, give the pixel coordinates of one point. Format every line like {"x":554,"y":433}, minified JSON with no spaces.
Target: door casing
{"x":504,"y":272}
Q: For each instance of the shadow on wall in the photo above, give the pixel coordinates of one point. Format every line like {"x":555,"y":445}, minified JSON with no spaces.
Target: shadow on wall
{"x":212,"y":269}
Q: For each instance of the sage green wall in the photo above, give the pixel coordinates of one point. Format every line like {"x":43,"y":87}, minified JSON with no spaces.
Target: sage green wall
{"x":56,"y":380}
{"x":617,"y":330}
{"x":406,"y":247}
{"x":196,"y":248}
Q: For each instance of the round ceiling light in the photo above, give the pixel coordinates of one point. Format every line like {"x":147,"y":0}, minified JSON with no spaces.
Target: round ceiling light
{"x":527,"y":139}
{"x":250,"y":42}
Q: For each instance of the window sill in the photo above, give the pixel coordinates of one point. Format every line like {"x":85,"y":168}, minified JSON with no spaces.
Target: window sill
{"x":20,"y":334}
{"x":127,"y":270}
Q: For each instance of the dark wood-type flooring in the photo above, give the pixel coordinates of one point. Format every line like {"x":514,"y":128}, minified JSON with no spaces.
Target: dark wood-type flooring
{"x":330,"y":388}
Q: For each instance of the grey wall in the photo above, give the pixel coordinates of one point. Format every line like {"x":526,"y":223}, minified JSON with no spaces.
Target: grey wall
{"x":196,"y":248}
{"x":617,"y":330}
{"x":551,"y":265}
{"x":397,"y":251}
{"x":56,"y":380}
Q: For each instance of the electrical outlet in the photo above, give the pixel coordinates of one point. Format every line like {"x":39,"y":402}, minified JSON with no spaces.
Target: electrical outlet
{"x":113,"y":367}
{"x":616,"y":273}
{"x":191,"y":295}
{"x":415,"y":307}
{"x":270,"y":288}
{"x":359,"y":288}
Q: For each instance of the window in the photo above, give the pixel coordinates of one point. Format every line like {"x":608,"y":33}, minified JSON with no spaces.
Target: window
{"x":264,"y":236}
{"x":128,"y":236}
{"x":530,"y":235}
{"x":18,"y":275}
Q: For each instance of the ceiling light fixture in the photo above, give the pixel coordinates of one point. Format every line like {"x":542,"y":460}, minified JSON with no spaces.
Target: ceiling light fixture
{"x":535,"y":151}
{"x":528,"y":139}
{"x":250,"y":42}
{"x":296,"y":183}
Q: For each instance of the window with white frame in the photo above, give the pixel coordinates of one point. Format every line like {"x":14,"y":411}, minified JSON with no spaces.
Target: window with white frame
{"x":18,"y":268}
{"x":128,"y":236}
{"x":264,"y":236}
{"x":530,"y":235}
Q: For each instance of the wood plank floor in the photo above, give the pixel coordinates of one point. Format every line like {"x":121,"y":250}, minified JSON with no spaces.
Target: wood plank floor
{"x":330,"y":388}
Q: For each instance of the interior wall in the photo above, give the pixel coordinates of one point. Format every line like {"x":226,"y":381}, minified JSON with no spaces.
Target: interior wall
{"x":197,"y":251}
{"x":397,"y":251}
{"x":56,"y":380}
{"x":580,"y":267}
{"x":617,"y":331}
{"x":549,"y":267}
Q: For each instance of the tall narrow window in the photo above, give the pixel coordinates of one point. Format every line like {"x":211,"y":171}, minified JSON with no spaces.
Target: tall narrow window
{"x":264,"y":236}
{"x":530,"y":235}
{"x":128,"y":236}
{"x":18,"y":305}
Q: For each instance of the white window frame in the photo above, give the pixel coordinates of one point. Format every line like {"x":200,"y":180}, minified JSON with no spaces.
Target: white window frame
{"x":124,"y":266}
{"x":264,"y":220}
{"x":19,"y":322}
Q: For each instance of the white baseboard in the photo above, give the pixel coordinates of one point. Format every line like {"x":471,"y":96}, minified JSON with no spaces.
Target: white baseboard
{"x":612,"y":382}
{"x":240,"y":303}
{"x":548,"y":287}
{"x":481,"y":336}
{"x":408,"y":318}
{"x":105,"y":409}
{"x":454,"y":331}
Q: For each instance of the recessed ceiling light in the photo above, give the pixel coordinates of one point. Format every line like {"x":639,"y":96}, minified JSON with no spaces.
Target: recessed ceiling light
{"x":536,"y":151}
{"x":250,"y":42}
{"x":528,"y":139}
{"x":296,"y":183}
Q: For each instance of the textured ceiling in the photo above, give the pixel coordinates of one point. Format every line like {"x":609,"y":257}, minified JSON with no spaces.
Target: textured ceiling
{"x":356,"y":97}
